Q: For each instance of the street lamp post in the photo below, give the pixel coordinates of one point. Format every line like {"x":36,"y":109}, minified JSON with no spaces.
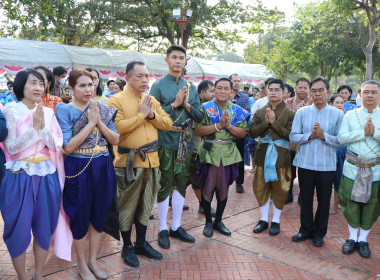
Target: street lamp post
{"x":182,"y":19}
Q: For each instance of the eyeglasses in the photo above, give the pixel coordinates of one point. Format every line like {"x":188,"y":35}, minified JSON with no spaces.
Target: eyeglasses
{"x":274,"y":89}
{"x":320,"y":91}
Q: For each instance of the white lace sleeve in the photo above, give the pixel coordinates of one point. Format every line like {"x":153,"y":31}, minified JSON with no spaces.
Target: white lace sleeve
{"x":48,"y":138}
{"x":15,"y":144}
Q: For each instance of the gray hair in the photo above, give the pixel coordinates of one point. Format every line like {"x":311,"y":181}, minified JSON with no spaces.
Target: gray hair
{"x":370,"y":82}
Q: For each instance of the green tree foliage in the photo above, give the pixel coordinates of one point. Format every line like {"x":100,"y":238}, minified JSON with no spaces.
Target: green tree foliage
{"x":147,"y":24}
{"x":321,"y":41}
{"x":371,"y":11}
{"x":274,"y":49}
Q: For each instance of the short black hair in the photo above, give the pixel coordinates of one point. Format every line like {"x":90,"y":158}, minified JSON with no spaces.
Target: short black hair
{"x":110,"y":81}
{"x":246,"y":87}
{"x":320,"y":79}
{"x":20,"y":81}
{"x":204,"y":85}
{"x":99,"y":91}
{"x":234,"y":74}
{"x":131,"y":66}
{"x":173,"y":48}
{"x":345,"y":87}
{"x":335,"y":96}
{"x":290,"y":89}
{"x":59,"y":70}
{"x":224,"y":79}
{"x":277,"y":81}
{"x":267,"y":80}
{"x":302,"y":79}
{"x":49,"y":75}
{"x":9,"y":83}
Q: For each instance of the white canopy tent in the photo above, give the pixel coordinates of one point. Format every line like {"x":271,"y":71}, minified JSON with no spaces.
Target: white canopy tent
{"x":16,"y":55}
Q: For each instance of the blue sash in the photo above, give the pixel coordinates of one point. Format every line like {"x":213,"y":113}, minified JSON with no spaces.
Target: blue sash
{"x":270,"y":173}
{"x":214,"y":113}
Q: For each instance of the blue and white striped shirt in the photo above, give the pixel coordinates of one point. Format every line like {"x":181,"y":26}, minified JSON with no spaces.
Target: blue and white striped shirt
{"x":316,"y":154}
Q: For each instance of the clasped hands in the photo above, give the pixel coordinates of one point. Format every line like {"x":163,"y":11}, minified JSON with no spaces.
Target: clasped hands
{"x":317,"y":132}
{"x":146,"y":107}
{"x":39,"y":117}
{"x":270,"y":116}
{"x":93,"y":115}
{"x":181,"y":99}
{"x":369,"y":128}
{"x":224,"y":121}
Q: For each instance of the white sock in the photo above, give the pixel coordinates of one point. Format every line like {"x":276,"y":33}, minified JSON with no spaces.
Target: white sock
{"x":177,"y":206}
{"x":363,"y":235}
{"x":276,"y":214}
{"x":353,"y":233}
{"x":162,"y":209}
{"x":264,"y":210}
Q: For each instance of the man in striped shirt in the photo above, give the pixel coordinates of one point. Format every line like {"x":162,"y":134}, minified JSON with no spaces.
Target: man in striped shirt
{"x":315,"y":128}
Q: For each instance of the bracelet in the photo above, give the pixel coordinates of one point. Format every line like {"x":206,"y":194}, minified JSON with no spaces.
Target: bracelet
{"x":229,"y":128}
{"x":173,"y":108}
{"x":216,"y":127}
{"x":154,"y":116}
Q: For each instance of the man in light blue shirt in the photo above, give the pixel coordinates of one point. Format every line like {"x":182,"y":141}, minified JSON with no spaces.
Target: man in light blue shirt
{"x":315,"y":128}
{"x":361,"y":171}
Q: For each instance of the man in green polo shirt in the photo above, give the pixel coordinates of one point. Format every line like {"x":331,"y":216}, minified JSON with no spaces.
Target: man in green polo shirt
{"x":180,"y":100}
{"x":218,"y":155}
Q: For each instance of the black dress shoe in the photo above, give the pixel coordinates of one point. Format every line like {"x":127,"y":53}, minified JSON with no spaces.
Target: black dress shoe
{"x":239,"y":188}
{"x":151,"y":217}
{"x":364,"y":249}
{"x":202,"y":211}
{"x":208,"y":230}
{"x":349,"y":246}
{"x":260,"y":227}
{"x":147,"y":251}
{"x":129,"y":256}
{"x":274,"y":228}
{"x":182,"y":235}
{"x":221,"y":228}
{"x":300,"y":237}
{"x":163,"y":239}
{"x":318,"y":241}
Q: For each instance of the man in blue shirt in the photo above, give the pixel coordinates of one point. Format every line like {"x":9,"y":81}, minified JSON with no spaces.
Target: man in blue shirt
{"x":315,"y":128}
{"x":241,"y":99}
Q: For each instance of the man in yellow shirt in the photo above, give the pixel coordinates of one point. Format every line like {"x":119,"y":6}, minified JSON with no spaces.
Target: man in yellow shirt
{"x":136,"y":159}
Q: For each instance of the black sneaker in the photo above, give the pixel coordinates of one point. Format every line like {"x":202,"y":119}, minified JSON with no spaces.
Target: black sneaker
{"x":239,"y":188}
{"x":349,"y":246}
{"x":129,"y":256}
{"x":163,"y":239}
{"x":148,"y":251}
{"x":182,"y":235}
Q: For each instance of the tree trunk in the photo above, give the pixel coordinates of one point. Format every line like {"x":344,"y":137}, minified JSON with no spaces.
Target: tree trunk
{"x":368,"y":64}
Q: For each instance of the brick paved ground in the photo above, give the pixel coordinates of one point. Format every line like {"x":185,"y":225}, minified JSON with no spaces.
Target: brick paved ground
{"x":244,"y":255}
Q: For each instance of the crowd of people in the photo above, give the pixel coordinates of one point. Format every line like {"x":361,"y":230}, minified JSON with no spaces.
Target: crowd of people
{"x":81,"y":163}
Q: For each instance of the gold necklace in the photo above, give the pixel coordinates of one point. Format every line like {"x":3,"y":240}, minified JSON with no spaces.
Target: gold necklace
{"x":361,"y":127}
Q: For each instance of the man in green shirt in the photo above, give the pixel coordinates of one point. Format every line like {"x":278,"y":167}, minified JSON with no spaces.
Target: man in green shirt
{"x":223,"y":122}
{"x":272,"y":124}
{"x":180,"y":100}
{"x":206,"y":93}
